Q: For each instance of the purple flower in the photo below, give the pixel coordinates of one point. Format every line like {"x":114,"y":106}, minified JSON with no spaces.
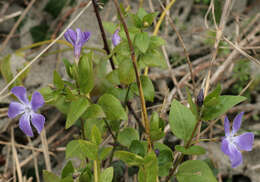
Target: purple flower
{"x":28,"y":110}
{"x":77,"y":39}
{"x":116,"y":39}
{"x":231,"y":144}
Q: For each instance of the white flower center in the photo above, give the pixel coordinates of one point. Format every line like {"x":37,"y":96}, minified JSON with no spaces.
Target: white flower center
{"x":28,"y":109}
{"x":231,"y":138}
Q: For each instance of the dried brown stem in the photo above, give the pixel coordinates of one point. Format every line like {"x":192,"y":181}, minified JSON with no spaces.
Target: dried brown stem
{"x":137,"y":74}
{"x":103,"y":34}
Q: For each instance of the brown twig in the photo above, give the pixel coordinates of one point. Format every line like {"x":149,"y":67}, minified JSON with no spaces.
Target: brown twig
{"x":103,"y":34}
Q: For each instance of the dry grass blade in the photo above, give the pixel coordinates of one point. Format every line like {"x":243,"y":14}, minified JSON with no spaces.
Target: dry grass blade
{"x":45,"y":150}
{"x":34,"y":161}
{"x":219,"y":29}
{"x":15,"y":157}
{"x":242,"y":52}
{"x":10,"y":16}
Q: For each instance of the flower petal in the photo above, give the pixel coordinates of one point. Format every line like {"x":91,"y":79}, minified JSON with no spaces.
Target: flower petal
{"x":70,"y":36}
{"x":224,"y":146}
{"x":15,"y":108}
{"x":245,"y":141}
{"x":235,"y":156}
{"x":237,"y":122}
{"x":37,"y":101}
{"x":24,"y":124}
{"x":85,"y":36}
{"x":20,"y":93}
{"x":78,"y":37}
{"x":226,"y":126}
{"x":38,"y":121}
{"x":116,"y":38}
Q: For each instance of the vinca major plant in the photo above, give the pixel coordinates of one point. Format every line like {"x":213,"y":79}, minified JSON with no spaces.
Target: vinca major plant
{"x":96,"y":98}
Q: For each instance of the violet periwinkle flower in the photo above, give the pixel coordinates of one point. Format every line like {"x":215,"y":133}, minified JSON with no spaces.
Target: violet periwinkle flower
{"x":116,"y":39}
{"x":231,"y":144}
{"x":27,"y":110}
{"x":77,"y":39}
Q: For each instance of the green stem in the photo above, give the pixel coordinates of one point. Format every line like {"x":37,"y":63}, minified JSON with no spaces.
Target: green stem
{"x":96,"y":171}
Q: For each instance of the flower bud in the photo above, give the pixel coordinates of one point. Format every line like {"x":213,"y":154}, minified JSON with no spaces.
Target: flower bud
{"x":157,"y":152}
{"x":200,"y":98}
{"x":116,"y":39}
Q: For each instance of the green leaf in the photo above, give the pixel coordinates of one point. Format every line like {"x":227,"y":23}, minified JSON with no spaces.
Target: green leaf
{"x":62,"y":105}
{"x":129,"y":158}
{"x":142,"y":41}
{"x":94,"y":111}
{"x":182,"y":121}
{"x":55,"y":7}
{"x":126,"y":136}
{"x":113,"y":77}
{"x":137,"y":147}
{"x":155,"y":131}
{"x":147,"y":86}
{"x":67,"y":179}
{"x":165,"y":156}
{"x":214,"y":94}
{"x":107,"y":175}
{"x":156,"y":42}
{"x":195,"y":171}
{"x":193,"y":106}
{"x":81,"y":149}
{"x":193,"y":150}
{"x":164,"y":169}
{"x":85,"y":176}
{"x":40,"y":32}
{"x":149,"y":172}
{"x":224,"y":103}
{"x":149,"y":18}
{"x":109,"y":26}
{"x":57,"y":80}
{"x":68,"y":66}
{"x":67,"y":170}
{"x":86,"y":76}
{"x":153,"y":58}
{"x":96,"y":135}
{"x":112,"y":107}
{"x":6,"y":69}
{"x":49,"y":176}
{"x":141,"y":13}
{"x":136,"y":21}
{"x":89,"y":123}
{"x":77,"y":108}
{"x":165,"y":159}
{"x":126,"y":71}
{"x":104,"y":152}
